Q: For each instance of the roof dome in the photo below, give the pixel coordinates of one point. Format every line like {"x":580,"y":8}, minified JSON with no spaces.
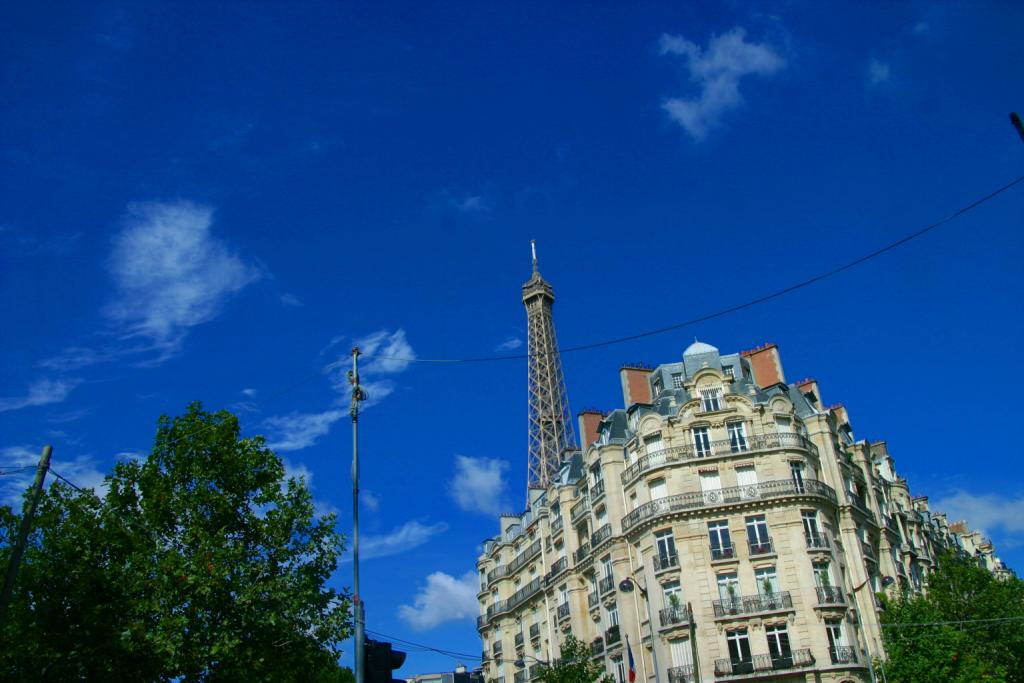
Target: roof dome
{"x":698,"y":347}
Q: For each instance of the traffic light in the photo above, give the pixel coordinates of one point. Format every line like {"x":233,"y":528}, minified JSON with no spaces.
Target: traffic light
{"x":380,"y":660}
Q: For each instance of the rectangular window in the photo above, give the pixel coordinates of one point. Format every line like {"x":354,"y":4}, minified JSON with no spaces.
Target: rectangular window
{"x":619,"y":669}
{"x":602,"y":516}
{"x":784,"y":425}
{"x":606,"y":565}
{"x":677,"y":380}
{"x":711,"y":399}
{"x":739,"y":648}
{"x":822,"y":574}
{"x":613,"y":615}
{"x":728,"y":371}
{"x":597,"y":474}
{"x":778,"y":645}
{"x":658,"y":386}
{"x":767,"y":581}
{"x":666,"y":545}
{"x":796,"y":471}
{"x":701,"y":442}
{"x":711,"y":487}
{"x":810,"y":520}
{"x":721,"y":544}
{"x":669,"y":590}
{"x":737,"y":436}
{"x":728,"y":587}
{"x":658,"y":489}
{"x":680,"y":652}
{"x":746,"y":479}
{"x":757,"y":535}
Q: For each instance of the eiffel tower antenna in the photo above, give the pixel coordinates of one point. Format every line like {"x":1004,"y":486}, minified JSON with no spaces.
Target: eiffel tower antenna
{"x":551,"y":431}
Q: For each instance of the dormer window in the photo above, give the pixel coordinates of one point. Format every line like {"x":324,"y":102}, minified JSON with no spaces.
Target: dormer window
{"x":727,"y":369}
{"x":677,"y":380}
{"x":659,"y":386}
{"x":711,"y":399}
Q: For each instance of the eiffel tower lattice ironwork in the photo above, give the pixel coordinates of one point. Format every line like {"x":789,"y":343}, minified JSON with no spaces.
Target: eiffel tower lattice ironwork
{"x":551,"y":431}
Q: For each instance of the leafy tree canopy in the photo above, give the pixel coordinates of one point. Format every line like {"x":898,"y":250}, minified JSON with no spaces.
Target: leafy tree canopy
{"x":574,"y":666}
{"x":201,"y":563}
{"x":981,"y":637}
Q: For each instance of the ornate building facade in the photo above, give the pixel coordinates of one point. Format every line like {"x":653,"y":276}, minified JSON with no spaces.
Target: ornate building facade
{"x":724,"y":524}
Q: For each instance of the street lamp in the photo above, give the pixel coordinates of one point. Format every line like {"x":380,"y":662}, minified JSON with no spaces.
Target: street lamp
{"x":626,"y":586}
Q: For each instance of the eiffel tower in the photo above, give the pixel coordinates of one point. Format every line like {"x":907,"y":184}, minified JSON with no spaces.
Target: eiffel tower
{"x":551,"y":431}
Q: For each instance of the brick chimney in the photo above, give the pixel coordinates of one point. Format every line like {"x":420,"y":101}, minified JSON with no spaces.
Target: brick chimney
{"x":636,"y":385}
{"x":590,"y":424}
{"x":766,"y":363}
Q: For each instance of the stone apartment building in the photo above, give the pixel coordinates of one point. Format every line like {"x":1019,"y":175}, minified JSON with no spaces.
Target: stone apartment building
{"x":755,"y":531}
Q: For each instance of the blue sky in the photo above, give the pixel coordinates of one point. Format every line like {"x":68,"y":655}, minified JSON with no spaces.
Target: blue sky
{"x":213,"y":201}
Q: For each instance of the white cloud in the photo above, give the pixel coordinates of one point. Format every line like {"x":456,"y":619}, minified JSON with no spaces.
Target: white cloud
{"x":399,"y":540}
{"x":478,"y":484}
{"x":717,"y":70}
{"x":986,"y":512}
{"x":470,"y":204}
{"x":444,"y":598}
{"x":297,"y":470}
{"x":291,"y":301}
{"x":370,"y":499}
{"x":921,"y":27}
{"x":878,"y":72}
{"x":40,"y":393}
{"x":81,"y":471}
{"x":249,"y":392}
{"x":170,"y":274}
{"x":295,"y":431}
{"x":510,"y":344}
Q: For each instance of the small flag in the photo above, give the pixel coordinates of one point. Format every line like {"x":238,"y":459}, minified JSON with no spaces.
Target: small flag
{"x":632,"y":666}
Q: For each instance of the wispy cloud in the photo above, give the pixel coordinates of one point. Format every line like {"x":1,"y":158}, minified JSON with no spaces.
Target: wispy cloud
{"x":291,"y":301}
{"x":169,"y":275}
{"x":986,"y":512}
{"x":443,"y":598}
{"x":41,"y":392}
{"x":717,"y":71}
{"x":878,"y":72}
{"x":478,"y":484}
{"x":401,"y":539}
{"x":80,"y":470}
{"x":921,"y":27}
{"x":295,"y":431}
{"x":386,"y":354}
{"x":249,"y":391}
{"x":510,"y":344}
{"x":370,"y":499}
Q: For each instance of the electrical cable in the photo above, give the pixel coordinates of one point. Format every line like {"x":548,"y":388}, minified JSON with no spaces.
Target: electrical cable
{"x":449,"y":653}
{"x":731,"y":309}
{"x":954,"y":623}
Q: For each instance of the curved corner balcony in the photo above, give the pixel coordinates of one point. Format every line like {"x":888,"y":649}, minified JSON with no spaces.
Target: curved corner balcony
{"x":712,"y":449}
{"x":735,"y":495}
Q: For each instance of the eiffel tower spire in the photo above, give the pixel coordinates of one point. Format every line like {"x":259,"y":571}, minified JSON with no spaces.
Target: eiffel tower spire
{"x":551,"y":431}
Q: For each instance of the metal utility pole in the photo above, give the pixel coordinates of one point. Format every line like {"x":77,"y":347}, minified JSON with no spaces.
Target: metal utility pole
{"x":357,"y":602}
{"x":26,"y":527}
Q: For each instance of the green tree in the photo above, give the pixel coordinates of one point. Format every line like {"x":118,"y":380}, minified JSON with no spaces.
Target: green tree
{"x":968,"y":626}
{"x":201,"y":563}
{"x":575,"y":665}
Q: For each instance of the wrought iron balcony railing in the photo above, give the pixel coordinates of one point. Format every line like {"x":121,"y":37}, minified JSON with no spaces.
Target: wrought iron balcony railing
{"x":560,"y":565}
{"x":765,"y":490}
{"x":753,"y":604}
{"x":579,"y":509}
{"x":612,"y":635}
{"x":597,"y":647}
{"x":719,"y":447}
{"x":606,"y":584}
{"x":597,"y":490}
{"x":725,"y":552}
{"x":534,"y":631}
{"x":592,"y":599}
{"x":681,"y":674}
{"x":663,"y":562}
{"x":481,"y":621}
{"x":765,"y":547}
{"x":557,"y":524}
{"x":858,"y":502}
{"x":581,"y":553}
{"x":563,"y":611}
{"x":830,"y":595}
{"x":843,"y":654}
{"x":818,"y":540}
{"x":520,"y":676}
{"x":522,"y":558}
{"x":671,"y":616}
{"x":759,"y":664}
{"x":601,"y":535}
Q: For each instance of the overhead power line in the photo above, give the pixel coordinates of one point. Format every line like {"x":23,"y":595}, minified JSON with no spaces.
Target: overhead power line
{"x":731,"y":309}
{"x":447,"y":653}
{"x":955,"y":623}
